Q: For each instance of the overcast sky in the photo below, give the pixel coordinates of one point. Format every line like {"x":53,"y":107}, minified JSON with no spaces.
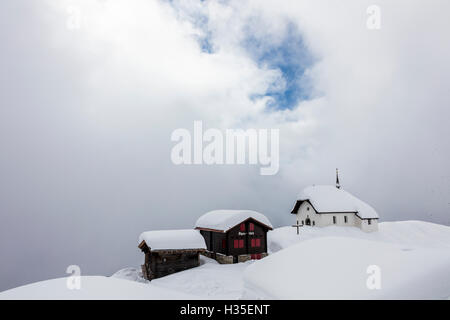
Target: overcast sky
{"x":90,"y":92}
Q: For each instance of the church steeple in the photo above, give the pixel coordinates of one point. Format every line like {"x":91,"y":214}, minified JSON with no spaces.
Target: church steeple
{"x":337,"y":179}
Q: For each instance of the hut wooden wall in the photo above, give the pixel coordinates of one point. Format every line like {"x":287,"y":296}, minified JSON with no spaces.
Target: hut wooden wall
{"x":162,"y":263}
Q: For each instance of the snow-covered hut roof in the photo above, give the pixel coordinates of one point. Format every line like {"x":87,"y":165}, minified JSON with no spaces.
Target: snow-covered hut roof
{"x":224,"y":220}
{"x":331,"y":199}
{"x":172,"y":239}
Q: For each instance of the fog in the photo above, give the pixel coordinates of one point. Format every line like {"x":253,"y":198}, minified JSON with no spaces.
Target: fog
{"x":88,"y":106}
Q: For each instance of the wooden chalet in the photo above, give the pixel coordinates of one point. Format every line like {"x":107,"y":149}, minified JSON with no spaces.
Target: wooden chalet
{"x":234,"y":235}
{"x":169,"y":251}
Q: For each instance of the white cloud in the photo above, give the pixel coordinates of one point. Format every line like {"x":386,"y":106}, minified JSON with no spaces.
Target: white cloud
{"x":87,"y":114}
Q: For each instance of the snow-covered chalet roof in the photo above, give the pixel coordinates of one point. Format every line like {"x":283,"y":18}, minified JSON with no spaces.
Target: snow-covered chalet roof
{"x":173,"y":239}
{"x":331,"y":199}
{"x":224,"y":220}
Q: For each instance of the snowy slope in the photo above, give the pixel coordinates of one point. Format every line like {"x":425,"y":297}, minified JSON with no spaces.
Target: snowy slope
{"x":408,"y":233}
{"x":331,"y":262}
{"x":337,"y":268}
{"x":413,"y":257}
{"x":92,"y":288}
{"x":209,"y":281}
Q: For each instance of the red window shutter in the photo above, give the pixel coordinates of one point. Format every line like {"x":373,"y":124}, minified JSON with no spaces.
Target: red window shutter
{"x":253,"y":243}
{"x":251,"y":227}
{"x":236,"y":243}
{"x":224,"y":243}
{"x":241,"y":243}
{"x":242,"y":227}
{"x":258,"y":242}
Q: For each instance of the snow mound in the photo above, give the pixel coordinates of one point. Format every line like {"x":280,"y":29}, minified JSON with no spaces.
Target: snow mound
{"x":92,"y":288}
{"x":173,"y":239}
{"x":223,"y":220}
{"x":210,"y":280}
{"x":328,"y":262}
{"x":338,"y":268}
{"x":130,"y":274}
{"x":407,"y":233}
{"x":332,"y":199}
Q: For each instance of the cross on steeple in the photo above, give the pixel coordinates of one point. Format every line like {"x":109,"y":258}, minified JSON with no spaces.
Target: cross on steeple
{"x":337,"y":179}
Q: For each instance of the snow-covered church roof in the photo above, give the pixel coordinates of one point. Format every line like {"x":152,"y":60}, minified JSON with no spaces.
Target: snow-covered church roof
{"x":173,"y":239}
{"x":224,"y":220}
{"x":331,"y":199}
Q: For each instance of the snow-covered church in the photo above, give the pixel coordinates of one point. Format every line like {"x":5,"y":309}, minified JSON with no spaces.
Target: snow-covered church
{"x":330,"y":205}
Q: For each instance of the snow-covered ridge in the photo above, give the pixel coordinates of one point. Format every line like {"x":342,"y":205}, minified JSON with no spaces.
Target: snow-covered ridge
{"x":341,"y":267}
{"x":329,"y":262}
{"x":224,"y":220}
{"x":332,"y":262}
{"x":173,"y":239}
{"x":331,"y":199}
{"x":92,"y":288}
{"x":407,"y":233}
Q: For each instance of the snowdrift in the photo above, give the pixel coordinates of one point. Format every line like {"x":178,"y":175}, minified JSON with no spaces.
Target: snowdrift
{"x":408,"y":233}
{"x":320,"y":263}
{"x":332,"y":263}
{"x":92,"y":288}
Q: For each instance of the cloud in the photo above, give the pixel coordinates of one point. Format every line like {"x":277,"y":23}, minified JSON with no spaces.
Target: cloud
{"x":87,"y":113}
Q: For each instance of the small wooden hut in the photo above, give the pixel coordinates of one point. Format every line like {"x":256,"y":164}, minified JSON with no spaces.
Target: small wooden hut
{"x":169,"y":251}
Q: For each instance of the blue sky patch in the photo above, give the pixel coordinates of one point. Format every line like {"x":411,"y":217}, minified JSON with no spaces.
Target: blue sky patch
{"x":291,"y":58}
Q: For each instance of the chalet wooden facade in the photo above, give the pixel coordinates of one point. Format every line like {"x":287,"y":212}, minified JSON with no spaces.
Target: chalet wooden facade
{"x":170,"y":251}
{"x":234,"y":235}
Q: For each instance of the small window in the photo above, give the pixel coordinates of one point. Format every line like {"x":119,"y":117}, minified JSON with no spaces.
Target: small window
{"x":241,"y":243}
{"x":334,"y":219}
{"x":242,"y":227}
{"x":258,"y":243}
{"x":236,"y":243}
{"x":345,"y":219}
{"x":251,"y":227}
{"x":224,"y":243}
{"x":307,"y":208}
{"x":314,"y":223}
{"x":369,"y":221}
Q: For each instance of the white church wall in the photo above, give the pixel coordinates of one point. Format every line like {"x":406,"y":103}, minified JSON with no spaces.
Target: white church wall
{"x":326,"y":219}
{"x":337,"y":219}
{"x":307,"y":211}
{"x":322,"y":220}
{"x":365,"y":226}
